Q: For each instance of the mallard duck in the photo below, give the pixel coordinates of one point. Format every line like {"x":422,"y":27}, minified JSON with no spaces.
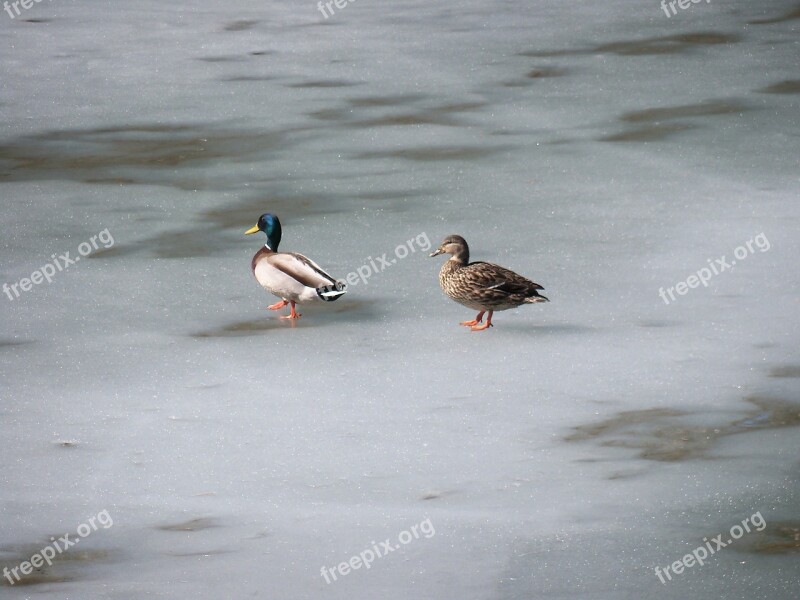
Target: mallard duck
{"x":291,"y":276}
{"x":482,"y":286}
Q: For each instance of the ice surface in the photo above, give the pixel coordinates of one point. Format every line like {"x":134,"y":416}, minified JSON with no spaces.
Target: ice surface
{"x":600,"y":148}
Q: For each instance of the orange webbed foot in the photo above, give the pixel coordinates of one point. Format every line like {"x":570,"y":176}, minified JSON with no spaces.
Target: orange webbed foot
{"x":278,"y":305}
{"x":475,"y":321}
{"x":485,"y":325}
{"x":293,"y":314}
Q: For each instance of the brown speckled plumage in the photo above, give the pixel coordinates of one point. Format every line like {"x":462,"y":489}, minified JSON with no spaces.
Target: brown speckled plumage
{"x":483,"y":286}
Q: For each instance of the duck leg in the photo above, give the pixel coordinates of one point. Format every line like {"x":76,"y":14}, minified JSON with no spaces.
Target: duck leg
{"x":278,"y":305}
{"x":474,"y":321}
{"x":485,"y":325}
{"x":293,"y":314}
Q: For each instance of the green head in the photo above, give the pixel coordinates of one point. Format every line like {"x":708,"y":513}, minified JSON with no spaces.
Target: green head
{"x":269,"y":224}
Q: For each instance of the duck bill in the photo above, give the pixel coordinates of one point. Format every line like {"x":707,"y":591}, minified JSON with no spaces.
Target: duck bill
{"x":253,"y":229}
{"x":437,"y":253}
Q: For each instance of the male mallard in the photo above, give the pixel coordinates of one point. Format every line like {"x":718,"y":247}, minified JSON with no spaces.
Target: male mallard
{"x":482,"y":286}
{"x":290,"y":276}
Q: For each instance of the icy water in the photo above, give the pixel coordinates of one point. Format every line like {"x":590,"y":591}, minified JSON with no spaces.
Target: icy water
{"x":208,"y":449}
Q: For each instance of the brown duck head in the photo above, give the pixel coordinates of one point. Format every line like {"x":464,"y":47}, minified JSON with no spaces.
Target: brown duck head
{"x":456,"y":246}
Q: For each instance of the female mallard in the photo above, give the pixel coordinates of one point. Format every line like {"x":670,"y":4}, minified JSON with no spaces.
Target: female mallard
{"x":290,"y":276}
{"x":482,"y":286}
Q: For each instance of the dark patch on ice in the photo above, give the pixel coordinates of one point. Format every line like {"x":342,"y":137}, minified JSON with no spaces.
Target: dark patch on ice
{"x":444,"y":115}
{"x":762,"y":345}
{"x":205,"y":386}
{"x":542,"y":72}
{"x":67,"y":443}
{"x":519,"y":132}
{"x":667,"y":44}
{"x":779,"y":537}
{"x":435,"y":494}
{"x":618,"y":475}
{"x":622,"y":420}
{"x":240,"y":25}
{"x":661,"y":434}
{"x":656,"y":129}
{"x":142,"y":154}
{"x":221,"y":59}
{"x":66,"y":565}
{"x":430,"y":154}
{"x":174,"y":244}
{"x":198,"y":524}
{"x":555,"y":53}
{"x":324,"y":83}
{"x":657,"y":323}
{"x":430,"y":118}
{"x":13,"y":343}
{"x":537,"y":73}
{"x":785,"y":371}
{"x":789,"y":86}
{"x":197,"y":554}
{"x":792,"y":15}
{"x":111,"y":180}
{"x":649,"y":133}
{"x":330,"y":114}
{"x":458,"y":107}
{"x":384,"y":195}
{"x":702,"y":109}
{"x":248,"y":78}
{"x":397,"y":100}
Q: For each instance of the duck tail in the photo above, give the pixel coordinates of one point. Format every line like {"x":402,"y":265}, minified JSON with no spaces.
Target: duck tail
{"x":329,"y":293}
{"x":537,"y":298}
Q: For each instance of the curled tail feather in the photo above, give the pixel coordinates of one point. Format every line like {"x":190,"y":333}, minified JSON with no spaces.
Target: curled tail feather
{"x":536,"y":298}
{"x":329,"y":293}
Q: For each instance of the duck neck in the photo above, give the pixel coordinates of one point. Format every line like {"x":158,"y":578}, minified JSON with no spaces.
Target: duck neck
{"x":272,"y":243}
{"x":461,"y":257}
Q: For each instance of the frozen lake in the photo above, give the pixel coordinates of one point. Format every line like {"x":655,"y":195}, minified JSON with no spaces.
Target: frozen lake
{"x":642,"y":167}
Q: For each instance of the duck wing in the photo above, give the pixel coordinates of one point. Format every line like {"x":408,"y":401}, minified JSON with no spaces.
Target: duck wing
{"x":494,"y":279}
{"x":301,"y":269}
